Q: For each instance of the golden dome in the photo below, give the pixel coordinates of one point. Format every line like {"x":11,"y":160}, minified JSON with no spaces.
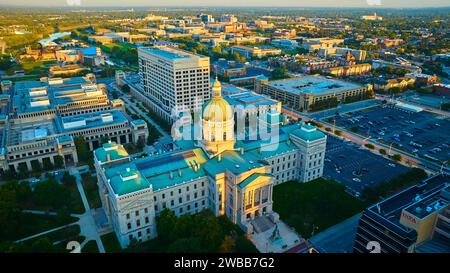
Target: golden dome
{"x":217,"y":109}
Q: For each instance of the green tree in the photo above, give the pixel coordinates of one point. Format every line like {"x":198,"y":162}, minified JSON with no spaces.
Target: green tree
{"x":68,"y":180}
{"x":63,"y":215}
{"x":51,"y":194}
{"x":370,"y":146}
{"x":206,"y":226}
{"x":47,"y":165}
{"x":104,"y":140}
{"x":238,"y":57}
{"x":36,"y":166}
{"x":125,"y":88}
{"x":42,"y":245}
{"x":187,"y":245}
{"x":279,"y":73}
{"x":183,"y":226}
{"x":9,"y":210}
{"x":59,"y":161}
{"x":227,"y":245}
{"x":23,"y":171}
{"x":397,"y":157}
{"x":165,"y":224}
{"x":82,"y":149}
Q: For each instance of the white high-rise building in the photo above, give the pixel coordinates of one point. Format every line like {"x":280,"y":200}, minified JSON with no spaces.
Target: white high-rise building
{"x":173,"y":79}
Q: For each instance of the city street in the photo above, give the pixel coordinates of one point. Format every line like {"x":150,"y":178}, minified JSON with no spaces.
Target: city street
{"x":338,"y":238}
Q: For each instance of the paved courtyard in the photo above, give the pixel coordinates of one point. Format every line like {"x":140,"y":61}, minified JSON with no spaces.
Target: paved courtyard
{"x":284,"y":239}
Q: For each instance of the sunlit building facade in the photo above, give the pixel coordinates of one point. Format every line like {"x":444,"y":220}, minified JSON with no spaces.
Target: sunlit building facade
{"x":226,"y":175}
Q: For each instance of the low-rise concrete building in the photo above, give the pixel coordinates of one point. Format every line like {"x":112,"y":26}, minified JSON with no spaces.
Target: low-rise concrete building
{"x":46,"y":116}
{"x":257,"y":52}
{"x":303,"y":93}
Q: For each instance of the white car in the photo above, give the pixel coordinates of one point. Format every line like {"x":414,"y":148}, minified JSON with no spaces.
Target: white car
{"x":34,"y":180}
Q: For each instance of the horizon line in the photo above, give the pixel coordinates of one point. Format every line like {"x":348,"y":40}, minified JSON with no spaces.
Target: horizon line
{"x":213,"y":6}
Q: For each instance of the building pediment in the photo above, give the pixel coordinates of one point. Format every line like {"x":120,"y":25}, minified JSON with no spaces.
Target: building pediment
{"x":256,"y":180}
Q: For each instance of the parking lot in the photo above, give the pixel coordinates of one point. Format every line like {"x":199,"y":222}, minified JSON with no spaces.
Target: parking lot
{"x":357,"y":168}
{"x":420,"y":133}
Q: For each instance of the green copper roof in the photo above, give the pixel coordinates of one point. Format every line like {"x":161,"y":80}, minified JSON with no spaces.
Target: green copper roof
{"x":173,"y":161}
{"x":308,"y":133}
{"x":112,"y":149}
{"x":127,"y":179}
{"x":138,"y":121}
{"x":164,"y":180}
{"x":64,"y":139}
{"x":232,"y":161}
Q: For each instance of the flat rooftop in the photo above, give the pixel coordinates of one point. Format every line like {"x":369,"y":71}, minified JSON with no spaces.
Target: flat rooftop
{"x":315,"y":85}
{"x":91,"y":120}
{"x":169,"y":53}
{"x":249,"y":99}
{"x":29,"y":132}
{"x":35,"y":96}
{"x":420,"y":195}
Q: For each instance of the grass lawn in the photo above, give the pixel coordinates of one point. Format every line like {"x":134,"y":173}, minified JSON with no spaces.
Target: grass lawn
{"x":31,"y":68}
{"x":30,"y":224}
{"x":90,"y":247}
{"x":91,"y":190}
{"x":60,"y":236}
{"x":321,"y":203}
{"x":24,"y":78}
{"x":122,"y":46}
{"x":75,"y":202}
{"x":56,"y":242}
{"x":37,"y":200}
{"x":110,"y":243}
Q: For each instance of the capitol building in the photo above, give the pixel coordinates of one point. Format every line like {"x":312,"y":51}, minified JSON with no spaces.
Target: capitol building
{"x":218,"y":172}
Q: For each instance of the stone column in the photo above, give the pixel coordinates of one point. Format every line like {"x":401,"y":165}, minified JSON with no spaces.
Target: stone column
{"x":16,"y":167}
{"x":261,"y":194}
{"x":29,"y":165}
{"x":74,"y":156}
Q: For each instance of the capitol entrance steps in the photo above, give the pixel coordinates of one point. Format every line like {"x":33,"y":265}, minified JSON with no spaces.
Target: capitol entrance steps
{"x":262,"y":224}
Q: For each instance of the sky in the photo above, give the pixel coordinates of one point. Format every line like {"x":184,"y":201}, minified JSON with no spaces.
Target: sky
{"x":274,"y":3}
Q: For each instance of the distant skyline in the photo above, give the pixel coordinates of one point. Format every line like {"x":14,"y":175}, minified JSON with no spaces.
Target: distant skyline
{"x":231,"y":3}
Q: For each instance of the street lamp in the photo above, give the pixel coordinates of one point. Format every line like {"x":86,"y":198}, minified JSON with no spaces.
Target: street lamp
{"x":314,"y":229}
{"x":390,"y":148}
{"x":442,"y":166}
